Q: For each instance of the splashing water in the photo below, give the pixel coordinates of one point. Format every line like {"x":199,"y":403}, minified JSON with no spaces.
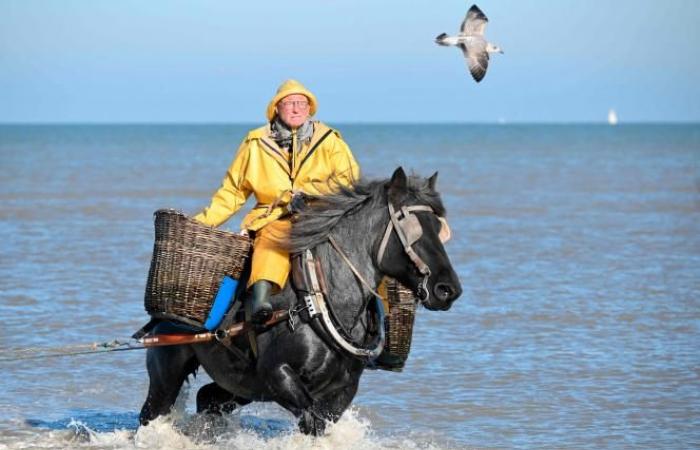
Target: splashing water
{"x":260,"y":426}
{"x":237,"y":431}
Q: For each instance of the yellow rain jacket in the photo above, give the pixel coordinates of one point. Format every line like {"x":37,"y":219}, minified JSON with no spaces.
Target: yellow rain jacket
{"x":264,"y":169}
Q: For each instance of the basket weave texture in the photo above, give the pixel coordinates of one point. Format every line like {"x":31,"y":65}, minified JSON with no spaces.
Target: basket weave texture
{"x":189,"y":261}
{"x":399,"y":323}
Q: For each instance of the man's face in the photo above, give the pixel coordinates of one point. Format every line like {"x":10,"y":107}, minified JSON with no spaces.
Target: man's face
{"x":293,"y":110}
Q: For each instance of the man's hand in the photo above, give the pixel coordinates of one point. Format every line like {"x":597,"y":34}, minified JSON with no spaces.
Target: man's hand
{"x":297,"y":203}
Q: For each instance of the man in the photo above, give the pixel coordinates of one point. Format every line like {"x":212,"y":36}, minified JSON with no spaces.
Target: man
{"x":289,"y":155}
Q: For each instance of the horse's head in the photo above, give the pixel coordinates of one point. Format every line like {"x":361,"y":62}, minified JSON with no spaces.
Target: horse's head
{"x":411,"y":248}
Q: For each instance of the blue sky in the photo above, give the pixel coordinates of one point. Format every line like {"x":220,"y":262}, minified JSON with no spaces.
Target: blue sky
{"x":367,"y":61}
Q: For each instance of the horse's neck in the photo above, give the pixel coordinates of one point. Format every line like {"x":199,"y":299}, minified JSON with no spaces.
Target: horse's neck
{"x":346,"y":293}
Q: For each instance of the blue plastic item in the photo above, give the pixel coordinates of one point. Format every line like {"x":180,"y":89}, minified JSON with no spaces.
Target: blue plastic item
{"x":222,"y":302}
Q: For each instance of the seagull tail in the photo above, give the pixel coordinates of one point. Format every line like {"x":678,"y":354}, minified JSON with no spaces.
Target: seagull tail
{"x":440,"y":39}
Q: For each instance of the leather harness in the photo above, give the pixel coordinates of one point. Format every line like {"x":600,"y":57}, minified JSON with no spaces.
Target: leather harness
{"x":310,"y":283}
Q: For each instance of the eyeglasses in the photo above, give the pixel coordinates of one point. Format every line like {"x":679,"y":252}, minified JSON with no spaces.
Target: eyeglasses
{"x":299,"y":104}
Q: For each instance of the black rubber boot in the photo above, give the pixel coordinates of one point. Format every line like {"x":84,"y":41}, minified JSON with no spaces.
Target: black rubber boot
{"x":258,"y":307}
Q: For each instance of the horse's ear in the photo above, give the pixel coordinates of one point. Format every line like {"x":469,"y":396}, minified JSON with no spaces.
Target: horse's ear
{"x":397,"y":186}
{"x":398,"y":179}
{"x":432,"y":181}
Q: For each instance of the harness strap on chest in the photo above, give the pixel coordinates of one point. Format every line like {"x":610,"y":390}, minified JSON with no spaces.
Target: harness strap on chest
{"x":316,"y":305}
{"x":314,"y":291}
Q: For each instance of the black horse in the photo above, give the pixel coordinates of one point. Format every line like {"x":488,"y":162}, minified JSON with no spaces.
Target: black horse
{"x":300,"y":369}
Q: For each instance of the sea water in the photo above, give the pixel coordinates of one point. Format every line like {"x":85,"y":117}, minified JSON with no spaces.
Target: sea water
{"x":578,"y":248}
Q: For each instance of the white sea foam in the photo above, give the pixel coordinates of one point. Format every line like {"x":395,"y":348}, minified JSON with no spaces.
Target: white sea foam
{"x":260,"y":427}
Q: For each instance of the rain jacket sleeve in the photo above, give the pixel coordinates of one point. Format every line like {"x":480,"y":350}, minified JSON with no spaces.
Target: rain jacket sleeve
{"x":232,"y":194}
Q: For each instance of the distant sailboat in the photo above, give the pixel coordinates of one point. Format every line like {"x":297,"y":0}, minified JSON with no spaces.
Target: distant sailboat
{"x":612,"y":117}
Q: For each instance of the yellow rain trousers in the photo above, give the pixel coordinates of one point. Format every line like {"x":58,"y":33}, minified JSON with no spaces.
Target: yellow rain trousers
{"x":267,"y":171}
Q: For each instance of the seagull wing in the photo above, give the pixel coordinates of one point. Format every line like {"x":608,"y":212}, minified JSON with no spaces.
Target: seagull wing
{"x":477,"y":61}
{"x":474,"y":22}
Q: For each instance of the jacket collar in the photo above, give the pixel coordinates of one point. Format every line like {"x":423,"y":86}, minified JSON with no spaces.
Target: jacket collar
{"x":271,"y":148}
{"x":321,"y":131}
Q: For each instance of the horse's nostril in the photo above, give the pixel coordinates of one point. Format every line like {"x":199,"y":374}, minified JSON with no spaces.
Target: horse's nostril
{"x":443,"y":291}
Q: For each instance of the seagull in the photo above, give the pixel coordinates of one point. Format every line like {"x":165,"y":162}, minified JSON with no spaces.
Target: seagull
{"x":472,"y":42}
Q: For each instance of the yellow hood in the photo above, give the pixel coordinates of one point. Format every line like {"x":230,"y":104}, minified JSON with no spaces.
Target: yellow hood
{"x":290,"y":87}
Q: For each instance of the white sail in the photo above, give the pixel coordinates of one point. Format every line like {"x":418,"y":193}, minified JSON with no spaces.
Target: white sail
{"x":612,"y":117}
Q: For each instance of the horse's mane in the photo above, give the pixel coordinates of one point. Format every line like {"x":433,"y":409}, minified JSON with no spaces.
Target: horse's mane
{"x":323,"y":212}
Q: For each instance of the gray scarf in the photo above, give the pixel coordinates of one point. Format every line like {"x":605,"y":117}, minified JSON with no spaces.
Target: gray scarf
{"x":282,"y":134}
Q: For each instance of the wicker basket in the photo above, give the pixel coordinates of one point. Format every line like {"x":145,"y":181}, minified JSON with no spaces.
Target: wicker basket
{"x":398,"y":326}
{"x":189,"y":261}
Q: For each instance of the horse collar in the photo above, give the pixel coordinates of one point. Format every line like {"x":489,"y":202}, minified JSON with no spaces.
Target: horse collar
{"x":311,"y":286}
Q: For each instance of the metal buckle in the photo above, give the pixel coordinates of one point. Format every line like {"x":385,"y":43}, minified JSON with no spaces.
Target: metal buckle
{"x":310,"y":301}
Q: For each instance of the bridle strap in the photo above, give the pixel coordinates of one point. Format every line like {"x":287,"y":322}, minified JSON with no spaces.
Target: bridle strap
{"x":385,"y":241}
{"x":395,"y":224}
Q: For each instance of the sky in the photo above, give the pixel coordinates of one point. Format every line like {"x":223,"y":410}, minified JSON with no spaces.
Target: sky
{"x":205,"y":61}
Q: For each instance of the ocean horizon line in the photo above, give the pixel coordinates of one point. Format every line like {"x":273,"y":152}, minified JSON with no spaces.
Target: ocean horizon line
{"x":350,"y":123}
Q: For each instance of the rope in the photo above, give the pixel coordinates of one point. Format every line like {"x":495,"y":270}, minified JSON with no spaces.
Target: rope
{"x":20,"y":354}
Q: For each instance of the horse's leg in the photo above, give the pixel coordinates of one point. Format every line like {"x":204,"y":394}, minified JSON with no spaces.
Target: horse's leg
{"x":168,"y":367}
{"x":291,"y":393}
{"x":288,"y":389}
{"x":213,"y":399}
{"x":329,"y":406}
